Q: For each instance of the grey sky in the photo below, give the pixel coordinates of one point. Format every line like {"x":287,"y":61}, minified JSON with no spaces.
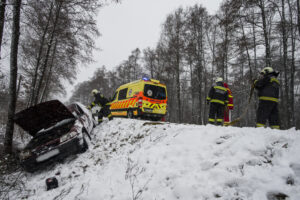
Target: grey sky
{"x":129,"y":25}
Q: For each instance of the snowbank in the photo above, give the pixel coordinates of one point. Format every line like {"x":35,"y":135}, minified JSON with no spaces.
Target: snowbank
{"x":134,"y":159}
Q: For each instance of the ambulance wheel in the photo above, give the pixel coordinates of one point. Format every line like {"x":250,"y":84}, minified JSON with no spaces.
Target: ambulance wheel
{"x":155,"y":118}
{"x":130,"y":114}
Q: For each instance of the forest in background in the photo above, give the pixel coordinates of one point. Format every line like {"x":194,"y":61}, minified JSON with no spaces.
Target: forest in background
{"x":194,"y":48}
{"x":46,"y":41}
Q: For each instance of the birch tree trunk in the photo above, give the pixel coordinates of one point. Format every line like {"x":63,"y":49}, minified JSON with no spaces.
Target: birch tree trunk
{"x":13,"y":77}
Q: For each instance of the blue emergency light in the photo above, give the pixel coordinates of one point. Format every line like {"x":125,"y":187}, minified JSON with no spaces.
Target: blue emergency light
{"x":145,"y":78}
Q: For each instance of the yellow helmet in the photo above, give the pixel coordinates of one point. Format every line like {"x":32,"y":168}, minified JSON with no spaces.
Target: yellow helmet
{"x":219,"y":79}
{"x":267,"y":70}
{"x":94,"y":91}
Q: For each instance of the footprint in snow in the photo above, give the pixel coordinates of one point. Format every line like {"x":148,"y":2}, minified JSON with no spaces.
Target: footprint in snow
{"x":222,"y":139}
{"x":276,"y":196}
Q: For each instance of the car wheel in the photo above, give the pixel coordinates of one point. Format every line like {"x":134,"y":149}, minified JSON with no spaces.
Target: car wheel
{"x":130,"y":114}
{"x":84,"y":145}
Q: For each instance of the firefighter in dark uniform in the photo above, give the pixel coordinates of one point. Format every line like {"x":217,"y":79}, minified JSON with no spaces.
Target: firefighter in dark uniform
{"x":268,"y":94}
{"x":101,"y":101}
{"x":218,"y":99}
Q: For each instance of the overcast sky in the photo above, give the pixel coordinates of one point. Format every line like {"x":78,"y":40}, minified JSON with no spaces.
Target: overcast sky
{"x":129,"y":25}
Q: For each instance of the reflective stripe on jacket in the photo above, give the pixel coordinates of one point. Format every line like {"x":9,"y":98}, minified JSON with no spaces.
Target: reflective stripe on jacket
{"x":268,"y":88}
{"x":230,"y":99}
{"x":100,"y":100}
{"x":218,"y":94}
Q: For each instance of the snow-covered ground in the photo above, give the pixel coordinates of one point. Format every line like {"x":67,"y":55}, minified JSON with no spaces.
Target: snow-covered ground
{"x":134,"y":159}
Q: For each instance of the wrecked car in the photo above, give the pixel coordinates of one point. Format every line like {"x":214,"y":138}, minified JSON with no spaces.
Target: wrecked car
{"x":57,"y":130}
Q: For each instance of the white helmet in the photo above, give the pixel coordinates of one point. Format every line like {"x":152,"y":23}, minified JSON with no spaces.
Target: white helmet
{"x":219,"y":79}
{"x":94,"y":91}
{"x":267,"y":70}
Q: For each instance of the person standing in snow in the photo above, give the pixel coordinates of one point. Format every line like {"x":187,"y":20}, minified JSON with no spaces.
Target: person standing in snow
{"x":268,"y":94}
{"x":101,"y":101}
{"x":218,"y":99}
{"x":229,"y":107}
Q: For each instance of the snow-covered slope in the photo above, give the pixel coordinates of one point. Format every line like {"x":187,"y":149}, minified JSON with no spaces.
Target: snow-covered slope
{"x":134,"y":159}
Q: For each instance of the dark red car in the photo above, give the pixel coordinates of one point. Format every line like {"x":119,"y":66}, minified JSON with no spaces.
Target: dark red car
{"x":57,"y":130}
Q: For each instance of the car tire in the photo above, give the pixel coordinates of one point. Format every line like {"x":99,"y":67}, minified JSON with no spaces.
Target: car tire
{"x":156,"y":119}
{"x":129,"y":114}
{"x":84,"y":145}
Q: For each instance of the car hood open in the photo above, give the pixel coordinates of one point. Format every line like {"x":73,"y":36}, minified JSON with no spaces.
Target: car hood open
{"x":42,"y":116}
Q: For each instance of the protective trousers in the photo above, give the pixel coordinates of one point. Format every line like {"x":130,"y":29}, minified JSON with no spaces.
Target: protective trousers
{"x":267,"y":110}
{"x":216,"y":113}
{"x":227,"y":115}
{"x":104,"y":112}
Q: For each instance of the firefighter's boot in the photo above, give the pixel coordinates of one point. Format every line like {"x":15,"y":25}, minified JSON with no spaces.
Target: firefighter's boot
{"x":211,"y":121}
{"x":219,"y":122}
{"x":110,"y":117}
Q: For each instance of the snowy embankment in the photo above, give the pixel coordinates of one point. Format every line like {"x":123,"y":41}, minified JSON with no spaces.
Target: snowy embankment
{"x":131,"y":159}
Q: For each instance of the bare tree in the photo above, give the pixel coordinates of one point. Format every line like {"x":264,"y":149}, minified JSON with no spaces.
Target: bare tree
{"x":173,"y":35}
{"x":293,"y":64}
{"x":149,"y":60}
{"x":39,"y":57}
{"x":13,"y":76}
{"x":49,"y":46}
{"x":197,"y":23}
{"x":298,"y":8}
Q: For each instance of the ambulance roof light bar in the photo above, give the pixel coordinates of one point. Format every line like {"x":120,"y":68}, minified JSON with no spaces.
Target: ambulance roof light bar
{"x":146,"y":78}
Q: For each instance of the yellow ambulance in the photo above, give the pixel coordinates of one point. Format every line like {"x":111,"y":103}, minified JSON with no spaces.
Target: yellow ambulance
{"x":145,"y":98}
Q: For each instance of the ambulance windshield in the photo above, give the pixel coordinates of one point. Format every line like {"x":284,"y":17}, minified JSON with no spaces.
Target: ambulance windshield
{"x":155,"y":92}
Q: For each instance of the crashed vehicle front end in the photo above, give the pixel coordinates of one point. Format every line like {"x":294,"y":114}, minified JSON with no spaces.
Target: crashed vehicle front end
{"x":52,"y":145}
{"x":55,"y":141}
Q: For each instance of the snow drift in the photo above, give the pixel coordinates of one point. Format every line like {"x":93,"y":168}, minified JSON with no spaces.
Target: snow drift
{"x":134,"y":159}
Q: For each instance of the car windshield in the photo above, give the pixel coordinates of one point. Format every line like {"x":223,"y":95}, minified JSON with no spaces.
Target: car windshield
{"x":155,"y":92}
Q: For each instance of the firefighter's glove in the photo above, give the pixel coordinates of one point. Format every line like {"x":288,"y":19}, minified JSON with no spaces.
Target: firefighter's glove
{"x":254,"y":81}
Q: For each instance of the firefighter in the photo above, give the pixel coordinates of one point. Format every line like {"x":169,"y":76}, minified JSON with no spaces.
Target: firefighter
{"x":229,"y":107}
{"x":218,"y":99}
{"x":101,"y":101}
{"x":268,"y":94}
